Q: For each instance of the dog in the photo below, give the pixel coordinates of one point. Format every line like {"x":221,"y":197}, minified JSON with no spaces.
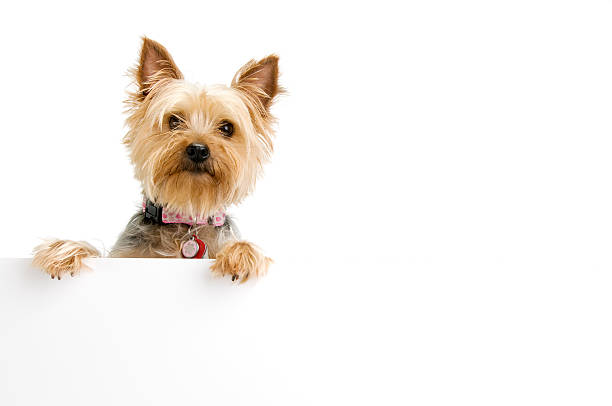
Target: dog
{"x":196,"y":151}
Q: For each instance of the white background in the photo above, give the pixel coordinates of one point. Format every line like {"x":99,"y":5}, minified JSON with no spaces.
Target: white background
{"x":165,"y":332}
{"x":460,"y":136}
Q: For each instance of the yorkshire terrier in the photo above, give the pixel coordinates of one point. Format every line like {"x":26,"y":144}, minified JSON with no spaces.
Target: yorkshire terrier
{"x":196,"y":151}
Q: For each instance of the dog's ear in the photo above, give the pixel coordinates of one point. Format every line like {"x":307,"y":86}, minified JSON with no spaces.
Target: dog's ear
{"x":155,"y":64}
{"x":259,"y":80}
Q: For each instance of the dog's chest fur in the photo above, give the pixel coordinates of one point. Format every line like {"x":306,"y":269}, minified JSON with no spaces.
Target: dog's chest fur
{"x":142,"y":238}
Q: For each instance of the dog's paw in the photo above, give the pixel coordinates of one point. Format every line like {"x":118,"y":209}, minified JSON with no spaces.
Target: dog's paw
{"x":241,"y":260}
{"x":60,"y":257}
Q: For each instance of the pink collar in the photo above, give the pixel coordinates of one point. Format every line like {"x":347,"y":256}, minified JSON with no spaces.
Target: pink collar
{"x":161,"y":216}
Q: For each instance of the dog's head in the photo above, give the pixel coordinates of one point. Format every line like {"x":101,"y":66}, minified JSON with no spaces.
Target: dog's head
{"x":199,"y":149}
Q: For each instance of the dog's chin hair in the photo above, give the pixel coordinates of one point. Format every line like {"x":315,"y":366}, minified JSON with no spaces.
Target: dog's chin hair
{"x":195,"y":194}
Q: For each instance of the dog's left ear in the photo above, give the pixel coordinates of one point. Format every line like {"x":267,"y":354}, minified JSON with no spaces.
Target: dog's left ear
{"x":155,"y":64}
{"x":259,"y":80}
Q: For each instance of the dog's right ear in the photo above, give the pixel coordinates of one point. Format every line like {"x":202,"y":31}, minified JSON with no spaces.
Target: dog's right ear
{"x":155,"y":64}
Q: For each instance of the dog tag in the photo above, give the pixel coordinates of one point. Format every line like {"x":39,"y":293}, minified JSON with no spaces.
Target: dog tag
{"x":194,"y":248}
{"x":190,"y":249}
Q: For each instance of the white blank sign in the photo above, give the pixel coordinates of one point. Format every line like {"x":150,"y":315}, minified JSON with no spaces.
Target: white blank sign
{"x":165,"y":332}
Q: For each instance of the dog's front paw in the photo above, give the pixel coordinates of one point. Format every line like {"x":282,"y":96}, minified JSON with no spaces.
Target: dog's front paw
{"x":58,"y":257}
{"x":241,"y":260}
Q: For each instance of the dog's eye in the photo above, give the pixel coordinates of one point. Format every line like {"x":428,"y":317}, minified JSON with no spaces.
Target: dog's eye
{"x":226,"y":128}
{"x":174,"y":122}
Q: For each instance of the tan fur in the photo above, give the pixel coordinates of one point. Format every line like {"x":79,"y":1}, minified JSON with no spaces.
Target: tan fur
{"x":241,"y":260}
{"x":59,"y":257}
{"x":170,"y":179}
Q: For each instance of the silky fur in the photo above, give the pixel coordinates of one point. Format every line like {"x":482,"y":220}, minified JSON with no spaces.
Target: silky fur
{"x":58,"y":257}
{"x":169,"y":179}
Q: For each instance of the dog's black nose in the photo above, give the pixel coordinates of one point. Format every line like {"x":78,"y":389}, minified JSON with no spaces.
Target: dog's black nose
{"x":198,"y":153}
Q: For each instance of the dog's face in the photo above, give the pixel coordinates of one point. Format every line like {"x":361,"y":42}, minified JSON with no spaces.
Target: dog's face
{"x":199,"y":149}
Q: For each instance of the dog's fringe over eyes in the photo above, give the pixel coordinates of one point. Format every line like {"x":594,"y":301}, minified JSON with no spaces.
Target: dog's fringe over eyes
{"x":195,"y":186}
